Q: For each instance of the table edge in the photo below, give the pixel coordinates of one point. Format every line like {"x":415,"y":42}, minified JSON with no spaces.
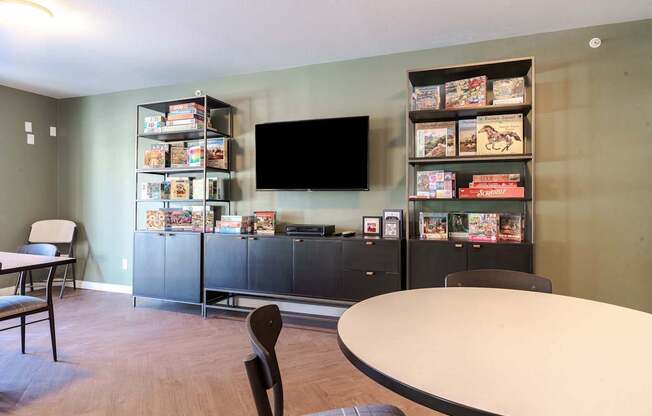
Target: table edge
{"x":64,"y":260}
{"x":421,"y":397}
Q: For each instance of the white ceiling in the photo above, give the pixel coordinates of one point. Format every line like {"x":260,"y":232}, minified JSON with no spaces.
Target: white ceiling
{"x":98,"y":46}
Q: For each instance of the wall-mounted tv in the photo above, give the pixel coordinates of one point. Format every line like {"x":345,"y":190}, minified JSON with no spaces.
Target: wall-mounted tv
{"x":320,"y":155}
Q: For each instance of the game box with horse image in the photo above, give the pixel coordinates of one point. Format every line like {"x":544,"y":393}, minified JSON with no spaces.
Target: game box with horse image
{"x":500,"y":134}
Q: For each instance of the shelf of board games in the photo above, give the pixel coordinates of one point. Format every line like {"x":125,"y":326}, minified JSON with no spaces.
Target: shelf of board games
{"x":214,"y":120}
{"x":466,"y":165}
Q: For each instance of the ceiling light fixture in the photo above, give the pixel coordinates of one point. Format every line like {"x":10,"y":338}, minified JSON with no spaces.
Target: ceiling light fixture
{"x":26,"y":5}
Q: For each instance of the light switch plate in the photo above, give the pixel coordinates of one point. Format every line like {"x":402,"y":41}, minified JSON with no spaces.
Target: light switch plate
{"x":53,"y":131}
{"x":28,"y":127}
{"x":30,"y":138}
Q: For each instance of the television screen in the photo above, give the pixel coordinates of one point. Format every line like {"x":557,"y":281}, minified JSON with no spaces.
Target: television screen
{"x":324,"y":154}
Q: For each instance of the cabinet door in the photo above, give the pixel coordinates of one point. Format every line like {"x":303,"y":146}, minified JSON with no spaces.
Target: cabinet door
{"x":370,"y":254}
{"x":149,"y":263}
{"x":225,"y":262}
{"x":431,"y":261}
{"x":270,"y":264}
{"x":317,"y":267}
{"x":183,"y":267}
{"x":501,"y":256}
{"x":360,"y":285}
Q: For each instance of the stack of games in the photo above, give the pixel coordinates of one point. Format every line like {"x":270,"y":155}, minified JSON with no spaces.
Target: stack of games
{"x":465,"y":93}
{"x":511,"y":228}
{"x":198,"y":218}
{"x":155,"y":190}
{"x":426,"y":98}
{"x":235,"y":224}
{"x":187,"y":116}
{"x":499,"y":135}
{"x":434,"y":184}
{"x":435,"y":139}
{"x":156,"y":156}
{"x":502,"y":185}
{"x":153,"y":124}
{"x":483,"y":227}
{"x":265,"y":222}
{"x":509,"y":91}
{"x":217,"y":153}
{"x":214,"y":188}
{"x":433,"y":226}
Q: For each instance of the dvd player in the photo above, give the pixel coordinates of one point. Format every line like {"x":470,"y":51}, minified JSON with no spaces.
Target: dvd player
{"x":318,"y":230}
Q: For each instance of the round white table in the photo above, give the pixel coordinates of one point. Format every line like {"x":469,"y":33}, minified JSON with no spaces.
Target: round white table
{"x":472,"y":351}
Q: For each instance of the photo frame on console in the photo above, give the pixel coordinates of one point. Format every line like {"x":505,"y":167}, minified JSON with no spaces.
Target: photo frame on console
{"x":372,"y":226}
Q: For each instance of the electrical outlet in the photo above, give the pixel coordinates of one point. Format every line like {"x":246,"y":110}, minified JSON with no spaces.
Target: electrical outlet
{"x":124,"y":264}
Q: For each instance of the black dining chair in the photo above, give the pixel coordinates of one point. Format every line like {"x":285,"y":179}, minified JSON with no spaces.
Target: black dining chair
{"x":264,"y":326}
{"x":499,"y":279}
{"x":38,"y":250}
{"x":22,"y":306}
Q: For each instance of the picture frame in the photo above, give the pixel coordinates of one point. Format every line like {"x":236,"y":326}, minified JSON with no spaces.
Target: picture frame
{"x":392,"y":223}
{"x":372,"y":226}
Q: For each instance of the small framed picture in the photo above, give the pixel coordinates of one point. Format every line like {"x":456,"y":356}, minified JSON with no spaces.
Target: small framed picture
{"x":372,"y":226}
{"x":392,"y":223}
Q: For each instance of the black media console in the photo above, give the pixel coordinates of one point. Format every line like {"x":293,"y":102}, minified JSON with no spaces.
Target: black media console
{"x":320,"y":269}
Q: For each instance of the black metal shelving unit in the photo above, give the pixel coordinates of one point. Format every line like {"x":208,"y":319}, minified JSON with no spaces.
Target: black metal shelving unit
{"x":442,"y":257}
{"x":146,"y":263}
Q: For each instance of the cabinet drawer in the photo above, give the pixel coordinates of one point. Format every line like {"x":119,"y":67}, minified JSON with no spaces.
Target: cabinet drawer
{"x":359,"y":285}
{"x":374,"y":255}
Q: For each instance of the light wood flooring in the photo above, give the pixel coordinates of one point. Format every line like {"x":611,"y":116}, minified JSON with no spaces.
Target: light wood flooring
{"x":163,"y":359}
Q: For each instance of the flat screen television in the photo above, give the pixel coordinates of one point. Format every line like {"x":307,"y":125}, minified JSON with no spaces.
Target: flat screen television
{"x":321,"y":155}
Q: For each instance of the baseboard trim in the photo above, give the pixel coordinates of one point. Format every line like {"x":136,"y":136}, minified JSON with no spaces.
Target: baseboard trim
{"x":103,"y":287}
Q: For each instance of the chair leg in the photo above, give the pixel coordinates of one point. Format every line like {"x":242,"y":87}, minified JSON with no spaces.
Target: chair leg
{"x":31,"y":282}
{"x":63,"y":284}
{"x":53,"y":336}
{"x":74,"y":278}
{"x":22,"y":334}
{"x":17,"y":284}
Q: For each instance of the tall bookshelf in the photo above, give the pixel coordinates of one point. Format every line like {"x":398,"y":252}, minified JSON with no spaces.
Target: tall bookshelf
{"x":168,"y":263}
{"x":442,"y":257}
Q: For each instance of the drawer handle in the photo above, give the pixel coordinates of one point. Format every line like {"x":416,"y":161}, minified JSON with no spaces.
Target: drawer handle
{"x":458,"y":245}
{"x":243,"y":238}
{"x":298,"y":240}
{"x":370,"y":274}
{"x":369,"y":243}
{"x":171,"y":235}
{"x":253,"y":238}
{"x":161,"y":234}
{"x":476,"y":246}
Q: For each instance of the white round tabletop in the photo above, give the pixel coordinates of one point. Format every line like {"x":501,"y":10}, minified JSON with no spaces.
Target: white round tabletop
{"x":476,"y":351}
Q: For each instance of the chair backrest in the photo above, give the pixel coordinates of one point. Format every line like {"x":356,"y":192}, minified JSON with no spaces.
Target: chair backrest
{"x":264,"y":325}
{"x":52,"y":231}
{"x":500,"y":279}
{"x":38,"y":249}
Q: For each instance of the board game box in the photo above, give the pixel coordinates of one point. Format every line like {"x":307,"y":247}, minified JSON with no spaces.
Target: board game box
{"x":468,"y":145}
{"x":498,"y":177}
{"x":509,"y":91}
{"x":180,"y":188}
{"x":435,"y":139}
{"x":265,"y":222}
{"x":511,"y":227}
{"x":483,"y":227}
{"x":459,"y":226}
{"x":157,"y":156}
{"x":433,"y":226}
{"x":426,"y":98}
{"x":180,"y":220}
{"x":217,"y":153}
{"x":196,"y":155}
{"x":491,"y":193}
{"x":501,"y":134}
{"x":464,"y":93}
{"x":155,"y":220}
{"x":178,"y":155}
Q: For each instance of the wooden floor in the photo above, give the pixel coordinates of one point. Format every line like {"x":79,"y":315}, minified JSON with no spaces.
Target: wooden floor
{"x":163,"y":359}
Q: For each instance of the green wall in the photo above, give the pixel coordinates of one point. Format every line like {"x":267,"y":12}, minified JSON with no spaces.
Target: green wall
{"x":28,"y":172}
{"x":593,"y":130}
